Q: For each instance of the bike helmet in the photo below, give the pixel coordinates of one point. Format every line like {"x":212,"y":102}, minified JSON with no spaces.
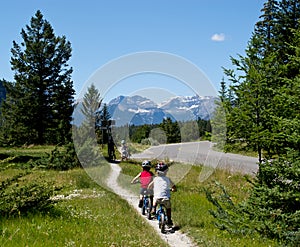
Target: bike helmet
{"x":161,"y":167}
{"x":146,"y":163}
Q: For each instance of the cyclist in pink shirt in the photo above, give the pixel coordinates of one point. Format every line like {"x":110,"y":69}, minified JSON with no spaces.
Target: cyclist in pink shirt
{"x":145,"y":177}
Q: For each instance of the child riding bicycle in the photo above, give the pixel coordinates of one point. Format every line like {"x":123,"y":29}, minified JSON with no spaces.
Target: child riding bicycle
{"x":125,"y":154}
{"x":162,"y":185}
{"x":144,"y":177}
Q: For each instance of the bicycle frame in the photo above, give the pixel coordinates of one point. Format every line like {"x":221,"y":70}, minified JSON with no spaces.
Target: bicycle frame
{"x":146,"y":208}
{"x":162,"y":218}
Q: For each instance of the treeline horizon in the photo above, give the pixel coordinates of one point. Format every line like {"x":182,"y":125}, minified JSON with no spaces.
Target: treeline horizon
{"x":167,"y":131}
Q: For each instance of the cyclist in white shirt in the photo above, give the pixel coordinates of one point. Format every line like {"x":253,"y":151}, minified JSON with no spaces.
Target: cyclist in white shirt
{"x":162,"y":185}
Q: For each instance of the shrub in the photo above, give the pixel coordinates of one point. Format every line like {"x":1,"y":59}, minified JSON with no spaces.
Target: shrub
{"x":275,"y":199}
{"x":19,"y":196}
{"x":273,"y":207}
{"x":61,"y":158}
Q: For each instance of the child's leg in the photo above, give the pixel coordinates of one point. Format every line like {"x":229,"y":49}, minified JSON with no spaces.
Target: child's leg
{"x":153,"y":211}
{"x":169,"y":212}
{"x":141,"y":201}
{"x":151,"y":200}
{"x":169,"y":215}
{"x":142,"y":191}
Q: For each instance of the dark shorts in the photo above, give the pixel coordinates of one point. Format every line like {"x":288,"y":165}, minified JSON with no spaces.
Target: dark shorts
{"x":164,"y":201}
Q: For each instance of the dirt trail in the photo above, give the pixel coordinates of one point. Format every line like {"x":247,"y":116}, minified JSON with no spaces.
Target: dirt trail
{"x":176,"y":239}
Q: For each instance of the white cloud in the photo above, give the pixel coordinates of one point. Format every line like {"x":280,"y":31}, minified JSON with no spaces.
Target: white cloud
{"x":219,"y":37}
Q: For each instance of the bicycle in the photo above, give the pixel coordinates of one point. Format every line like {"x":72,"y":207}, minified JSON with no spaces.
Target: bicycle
{"x":147,"y":205}
{"x":162,"y":218}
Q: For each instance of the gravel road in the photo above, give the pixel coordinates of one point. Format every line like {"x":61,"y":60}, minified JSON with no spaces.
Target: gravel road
{"x":201,"y":153}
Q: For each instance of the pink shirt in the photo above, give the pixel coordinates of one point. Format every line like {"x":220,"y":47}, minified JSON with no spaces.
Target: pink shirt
{"x":145,"y":178}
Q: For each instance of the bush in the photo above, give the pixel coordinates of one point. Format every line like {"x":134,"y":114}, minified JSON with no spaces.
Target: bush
{"x":61,"y":158}
{"x":150,"y":141}
{"x":64,"y":158}
{"x":19,"y":196}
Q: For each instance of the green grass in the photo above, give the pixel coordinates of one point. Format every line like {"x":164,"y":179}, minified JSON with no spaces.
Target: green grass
{"x":137,"y":147}
{"x":27,"y":151}
{"x":94,"y":216}
{"x":102,"y":221}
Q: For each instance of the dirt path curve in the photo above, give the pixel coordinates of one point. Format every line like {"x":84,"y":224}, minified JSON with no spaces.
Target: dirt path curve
{"x":176,"y":239}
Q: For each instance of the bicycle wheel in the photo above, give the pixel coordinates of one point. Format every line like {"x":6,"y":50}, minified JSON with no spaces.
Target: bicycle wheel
{"x":149,"y":207}
{"x":144,"y":208}
{"x":162,"y":222}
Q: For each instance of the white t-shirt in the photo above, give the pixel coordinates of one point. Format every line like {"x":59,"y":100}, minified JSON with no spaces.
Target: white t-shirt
{"x":161,"y":187}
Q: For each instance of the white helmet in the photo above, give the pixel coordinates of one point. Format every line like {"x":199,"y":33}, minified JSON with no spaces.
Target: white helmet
{"x":146,"y":163}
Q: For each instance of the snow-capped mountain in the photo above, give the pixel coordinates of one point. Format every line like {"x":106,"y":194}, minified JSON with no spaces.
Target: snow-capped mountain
{"x":190,"y":107}
{"x":139,"y":110}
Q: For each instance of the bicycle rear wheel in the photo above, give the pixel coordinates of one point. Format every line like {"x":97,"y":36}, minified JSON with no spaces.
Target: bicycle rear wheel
{"x":162,"y":223}
{"x":143,"y":209}
{"x":148,"y":209}
{"x":145,"y":205}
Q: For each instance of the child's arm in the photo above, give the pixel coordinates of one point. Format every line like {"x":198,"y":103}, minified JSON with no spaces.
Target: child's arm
{"x":150,"y":185}
{"x":173,"y":186}
{"x":136,"y":179}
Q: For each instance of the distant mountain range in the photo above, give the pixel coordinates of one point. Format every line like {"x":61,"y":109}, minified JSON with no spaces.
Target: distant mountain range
{"x":139,"y":110}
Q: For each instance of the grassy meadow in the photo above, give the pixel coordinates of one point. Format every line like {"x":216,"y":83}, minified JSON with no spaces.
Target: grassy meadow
{"x":86,"y":214}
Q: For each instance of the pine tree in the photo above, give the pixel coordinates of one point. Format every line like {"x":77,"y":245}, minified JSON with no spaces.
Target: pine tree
{"x":39,"y":103}
{"x":264,"y":75}
{"x":2,"y":93}
{"x":171,"y":130}
{"x":266,"y":27}
{"x":220,"y":125}
{"x":267,"y":115}
{"x":103,"y":124}
{"x":91,"y":105}
{"x":84,"y":135}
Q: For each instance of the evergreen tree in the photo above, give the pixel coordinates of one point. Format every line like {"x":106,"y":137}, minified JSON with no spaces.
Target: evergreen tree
{"x":171,"y":130}
{"x":85,"y":135}
{"x":189,"y":131}
{"x":266,"y":114}
{"x":139,"y":133}
{"x":264,"y":75}
{"x":103,"y":122}
{"x":39,"y":103}
{"x":220,"y":125}
{"x":266,"y":26}
{"x":91,"y":105}
{"x":2,"y":92}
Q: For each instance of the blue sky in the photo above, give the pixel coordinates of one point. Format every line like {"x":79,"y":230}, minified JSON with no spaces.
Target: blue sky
{"x":205,"y":33}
